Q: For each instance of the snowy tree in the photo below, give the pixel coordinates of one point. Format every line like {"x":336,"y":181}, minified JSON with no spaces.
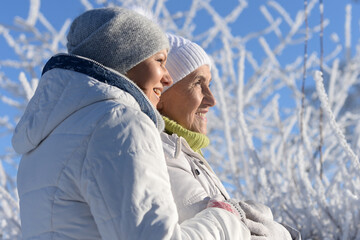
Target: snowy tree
{"x":282,"y":133}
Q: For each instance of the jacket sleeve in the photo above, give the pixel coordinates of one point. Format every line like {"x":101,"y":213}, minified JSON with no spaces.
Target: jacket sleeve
{"x":125,"y":182}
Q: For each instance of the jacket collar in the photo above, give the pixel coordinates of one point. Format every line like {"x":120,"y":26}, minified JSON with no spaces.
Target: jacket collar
{"x":196,"y":140}
{"x":108,"y":76}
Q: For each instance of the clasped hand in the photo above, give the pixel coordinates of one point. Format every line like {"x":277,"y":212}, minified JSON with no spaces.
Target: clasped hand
{"x":260,"y":222}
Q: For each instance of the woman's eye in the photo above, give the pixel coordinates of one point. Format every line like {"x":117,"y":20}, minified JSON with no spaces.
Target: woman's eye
{"x":162,"y":62}
{"x":160,"y":59}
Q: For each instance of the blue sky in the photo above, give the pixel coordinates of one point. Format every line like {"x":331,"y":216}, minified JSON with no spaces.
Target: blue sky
{"x":250,"y":21}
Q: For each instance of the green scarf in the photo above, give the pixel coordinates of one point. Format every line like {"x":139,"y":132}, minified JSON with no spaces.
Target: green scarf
{"x":196,"y":140}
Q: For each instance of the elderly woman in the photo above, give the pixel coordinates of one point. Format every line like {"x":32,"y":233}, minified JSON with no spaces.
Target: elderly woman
{"x":184,"y":106}
{"x":93,"y":165}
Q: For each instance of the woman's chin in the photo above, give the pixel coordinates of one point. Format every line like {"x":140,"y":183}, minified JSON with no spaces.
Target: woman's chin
{"x":154,"y":101}
{"x":200,"y":129}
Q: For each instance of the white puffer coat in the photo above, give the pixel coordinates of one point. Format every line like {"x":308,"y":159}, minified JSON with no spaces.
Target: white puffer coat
{"x":93,"y":164}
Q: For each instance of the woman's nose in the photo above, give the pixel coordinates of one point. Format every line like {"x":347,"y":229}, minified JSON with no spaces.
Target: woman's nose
{"x":209,"y":98}
{"x":166,"y":79}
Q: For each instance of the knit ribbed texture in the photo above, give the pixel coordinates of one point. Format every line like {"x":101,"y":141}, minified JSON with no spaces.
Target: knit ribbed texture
{"x":115,"y":37}
{"x":184,"y":57}
{"x":196,"y":140}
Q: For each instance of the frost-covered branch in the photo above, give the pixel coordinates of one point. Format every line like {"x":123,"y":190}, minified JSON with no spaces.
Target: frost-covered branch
{"x":258,"y":147}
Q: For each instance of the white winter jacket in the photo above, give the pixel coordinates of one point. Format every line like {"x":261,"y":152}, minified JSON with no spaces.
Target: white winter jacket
{"x":93,"y":164}
{"x":193,"y":181}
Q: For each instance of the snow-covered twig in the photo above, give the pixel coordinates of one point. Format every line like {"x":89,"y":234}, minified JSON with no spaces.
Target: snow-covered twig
{"x":325,"y":104}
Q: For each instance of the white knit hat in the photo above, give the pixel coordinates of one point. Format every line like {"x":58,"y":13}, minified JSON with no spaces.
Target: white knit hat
{"x":184,"y":57}
{"x":115,"y":37}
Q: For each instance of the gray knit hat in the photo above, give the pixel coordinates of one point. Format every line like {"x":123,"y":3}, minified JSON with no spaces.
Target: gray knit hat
{"x":115,"y":37}
{"x":184,"y":57}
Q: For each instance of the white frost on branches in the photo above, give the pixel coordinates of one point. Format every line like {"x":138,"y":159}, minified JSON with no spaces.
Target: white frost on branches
{"x":33,"y":12}
{"x":256,"y":147}
{"x":325,"y":104}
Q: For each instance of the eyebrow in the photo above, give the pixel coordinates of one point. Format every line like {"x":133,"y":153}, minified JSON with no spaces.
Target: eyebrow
{"x":161,"y":53}
{"x":202,"y":77}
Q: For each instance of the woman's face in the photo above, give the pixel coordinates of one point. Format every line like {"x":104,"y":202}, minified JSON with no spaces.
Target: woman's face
{"x":188,"y":101}
{"x":151,"y":76}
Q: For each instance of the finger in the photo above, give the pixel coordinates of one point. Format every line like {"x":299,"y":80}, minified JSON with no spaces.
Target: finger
{"x":252,"y":213}
{"x":256,"y":228}
{"x":263,"y":209}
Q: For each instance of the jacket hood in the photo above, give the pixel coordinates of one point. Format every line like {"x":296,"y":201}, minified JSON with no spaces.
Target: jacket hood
{"x":69,"y":83}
